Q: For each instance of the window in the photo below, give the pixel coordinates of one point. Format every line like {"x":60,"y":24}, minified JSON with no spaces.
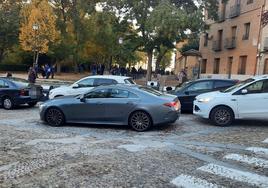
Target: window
{"x":216,"y":68}
{"x":151,"y":91}
{"x":234,"y":29}
{"x":255,"y":87}
{"x":249,"y":1}
{"x":247,"y":31}
{"x":102,"y":81}
{"x":118,"y":93}
{"x":86,"y":83}
{"x":222,"y":84}
{"x":101,"y":93}
{"x":242,"y":65}
{"x":201,"y":86}
{"x":206,"y":39}
{"x":129,"y":81}
{"x":204,"y":66}
{"x":3,"y":84}
{"x":265,"y":71}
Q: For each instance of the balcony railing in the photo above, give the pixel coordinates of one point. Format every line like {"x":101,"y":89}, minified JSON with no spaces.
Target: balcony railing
{"x":230,"y":43}
{"x":221,"y":16}
{"x":216,"y":46}
{"x":265,"y":46}
{"x":235,"y":11}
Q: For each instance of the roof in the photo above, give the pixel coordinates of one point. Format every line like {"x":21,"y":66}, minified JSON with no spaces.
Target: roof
{"x":109,"y":76}
{"x":192,"y":52}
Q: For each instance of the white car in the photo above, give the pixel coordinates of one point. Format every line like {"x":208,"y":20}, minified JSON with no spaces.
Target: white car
{"x":86,"y":84}
{"x":246,"y":100}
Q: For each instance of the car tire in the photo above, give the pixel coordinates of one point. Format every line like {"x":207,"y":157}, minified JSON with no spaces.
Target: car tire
{"x":32,"y":104}
{"x":54,"y":117}
{"x":7,"y":103}
{"x":222,"y":116}
{"x":140,"y":121}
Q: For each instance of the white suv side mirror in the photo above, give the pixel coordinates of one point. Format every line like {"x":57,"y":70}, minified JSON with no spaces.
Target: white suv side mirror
{"x":75,"y":86}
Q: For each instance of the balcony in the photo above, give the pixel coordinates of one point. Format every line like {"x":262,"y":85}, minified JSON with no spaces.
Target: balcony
{"x":235,"y":11}
{"x":216,"y":46}
{"x":221,"y":16}
{"x":230,"y":43}
{"x":265,"y":46}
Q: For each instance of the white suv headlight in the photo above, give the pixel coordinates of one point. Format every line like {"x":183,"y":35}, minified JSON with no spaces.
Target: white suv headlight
{"x":205,"y":99}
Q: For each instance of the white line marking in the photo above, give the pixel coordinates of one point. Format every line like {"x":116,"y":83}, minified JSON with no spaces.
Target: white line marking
{"x":237,"y":175}
{"x":190,"y":182}
{"x":266,"y":141}
{"x":248,"y":160}
{"x":258,"y":150}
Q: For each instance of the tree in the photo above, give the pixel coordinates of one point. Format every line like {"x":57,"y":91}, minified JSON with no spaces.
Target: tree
{"x":38,"y":27}
{"x":9,"y":21}
{"x":161,"y":23}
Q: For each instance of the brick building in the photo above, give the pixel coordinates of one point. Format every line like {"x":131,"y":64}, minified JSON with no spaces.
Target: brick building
{"x":236,"y":45}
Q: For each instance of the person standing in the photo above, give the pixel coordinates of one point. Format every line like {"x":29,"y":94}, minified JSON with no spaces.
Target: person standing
{"x":31,"y":75}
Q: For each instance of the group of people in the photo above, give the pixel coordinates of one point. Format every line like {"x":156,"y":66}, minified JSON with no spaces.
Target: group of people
{"x":45,"y":70}
{"x":183,"y":76}
{"x":97,"y":69}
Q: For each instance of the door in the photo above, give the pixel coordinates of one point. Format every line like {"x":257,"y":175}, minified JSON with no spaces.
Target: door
{"x":91,"y":109}
{"x":229,"y":67}
{"x":253,"y":104}
{"x":192,"y":91}
{"x":119,"y":105}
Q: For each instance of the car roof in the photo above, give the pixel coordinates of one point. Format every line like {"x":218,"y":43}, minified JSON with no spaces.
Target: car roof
{"x":260,"y":77}
{"x":109,"y":77}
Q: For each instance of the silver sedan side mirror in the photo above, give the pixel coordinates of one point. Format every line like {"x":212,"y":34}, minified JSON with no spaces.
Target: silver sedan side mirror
{"x":244,"y":91}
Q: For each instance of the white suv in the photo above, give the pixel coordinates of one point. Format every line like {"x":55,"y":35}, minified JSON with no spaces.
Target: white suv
{"x":246,"y":100}
{"x":86,"y":84}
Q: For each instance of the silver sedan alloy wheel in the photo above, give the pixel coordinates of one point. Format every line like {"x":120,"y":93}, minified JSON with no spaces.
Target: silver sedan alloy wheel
{"x":54,"y":117}
{"x":140,"y":121}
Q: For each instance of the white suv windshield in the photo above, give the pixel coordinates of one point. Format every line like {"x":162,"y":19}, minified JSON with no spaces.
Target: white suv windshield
{"x":240,"y":84}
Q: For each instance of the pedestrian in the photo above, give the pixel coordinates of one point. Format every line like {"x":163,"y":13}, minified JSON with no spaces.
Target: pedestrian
{"x":36,"y":69}
{"x":52,"y":71}
{"x":48,"y":71}
{"x":43,"y":72}
{"x":31,"y":75}
{"x":94,"y":69}
{"x":102,"y":69}
{"x":182,"y":76}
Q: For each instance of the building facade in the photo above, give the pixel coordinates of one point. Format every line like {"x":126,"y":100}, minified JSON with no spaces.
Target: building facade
{"x":235,"y":46}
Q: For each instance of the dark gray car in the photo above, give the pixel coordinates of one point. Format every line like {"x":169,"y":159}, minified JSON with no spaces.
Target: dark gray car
{"x":137,"y":106}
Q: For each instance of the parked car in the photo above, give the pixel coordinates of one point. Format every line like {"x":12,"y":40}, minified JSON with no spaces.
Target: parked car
{"x":137,"y":106}
{"x":86,"y":84}
{"x":189,"y":90}
{"x":16,"y":91}
{"x":246,"y":100}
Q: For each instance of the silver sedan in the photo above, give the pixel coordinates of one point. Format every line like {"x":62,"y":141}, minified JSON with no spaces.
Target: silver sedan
{"x":137,"y":106}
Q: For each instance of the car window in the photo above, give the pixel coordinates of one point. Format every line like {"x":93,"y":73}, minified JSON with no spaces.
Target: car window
{"x":86,"y":83}
{"x":151,"y":91}
{"x":200,"y":86}
{"x":103,"y":81}
{"x":118,"y":93}
{"x":265,"y":86}
{"x":255,"y":87}
{"x":238,"y":85}
{"x":100,"y":93}
{"x":222,"y":84}
{"x":129,"y":81}
{"x":3,"y":84}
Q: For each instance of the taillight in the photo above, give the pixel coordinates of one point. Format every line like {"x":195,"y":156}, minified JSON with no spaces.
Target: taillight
{"x":175,"y":105}
{"x":23,"y":92}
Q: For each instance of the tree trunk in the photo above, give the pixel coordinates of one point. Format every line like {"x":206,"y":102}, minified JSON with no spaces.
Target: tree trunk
{"x":58,"y":67}
{"x":159,"y":59}
{"x":1,"y":55}
{"x":37,"y":58}
{"x":149,"y":67}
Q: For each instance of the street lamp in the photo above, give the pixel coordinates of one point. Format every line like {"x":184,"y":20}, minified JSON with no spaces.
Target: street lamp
{"x":35,"y":29}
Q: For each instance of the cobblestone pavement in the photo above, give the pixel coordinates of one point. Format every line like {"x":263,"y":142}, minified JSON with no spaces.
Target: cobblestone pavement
{"x":189,"y":153}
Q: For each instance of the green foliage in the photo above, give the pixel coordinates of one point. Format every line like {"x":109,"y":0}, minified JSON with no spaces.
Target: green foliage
{"x":9,"y":25}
